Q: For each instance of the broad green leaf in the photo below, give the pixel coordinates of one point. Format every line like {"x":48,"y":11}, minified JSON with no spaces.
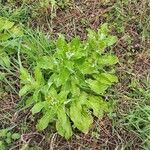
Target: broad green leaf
{"x":37,"y":107}
{"x":108,"y":60}
{"x":5,"y":24}
{"x":111,"y":40}
{"x":63,"y":125}
{"x":25,"y":76}
{"x":45,"y":120}
{"x":106,"y":78}
{"x":56,"y":80}
{"x":75,"y":90}
{"x":45,"y":62}
{"x":98,"y":105}
{"x":29,"y":101}
{"x":25,"y":89}
{"x":96,"y":86}
{"x":81,"y":119}
{"x":103,"y":29}
{"x":87,"y":68}
{"x":36,"y":95}
{"x":61,"y":44}
{"x":16,"y":31}
{"x":64,"y":75}
{"x":4,"y":60}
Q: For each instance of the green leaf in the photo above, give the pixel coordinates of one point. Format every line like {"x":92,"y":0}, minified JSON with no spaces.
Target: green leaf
{"x":37,"y":107}
{"x":4,"y":60}
{"x":2,"y":76}
{"x":3,"y":132}
{"x":64,"y":75}
{"x":63,"y":125}
{"x":15,"y":136}
{"x":61,"y":43}
{"x":87,"y":68}
{"x":45,"y":62}
{"x":29,"y":101}
{"x":111,"y":40}
{"x":8,"y":140}
{"x":5,"y":24}
{"x":98,"y":105}
{"x":81,"y":119}
{"x":38,"y":75}
{"x":16,"y":31}
{"x":103,"y":29}
{"x":25,"y":89}
{"x":106,"y":78}
{"x":45,"y":120}
{"x":96,"y":86}
{"x":2,"y":146}
{"x":25,"y":76}
{"x":108,"y":60}
{"x":75,"y":90}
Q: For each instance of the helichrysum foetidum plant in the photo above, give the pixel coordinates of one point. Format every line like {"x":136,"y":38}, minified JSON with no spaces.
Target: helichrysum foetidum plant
{"x":67,"y":86}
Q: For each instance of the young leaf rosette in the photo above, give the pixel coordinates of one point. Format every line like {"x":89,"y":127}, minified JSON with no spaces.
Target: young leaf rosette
{"x":67,"y":87}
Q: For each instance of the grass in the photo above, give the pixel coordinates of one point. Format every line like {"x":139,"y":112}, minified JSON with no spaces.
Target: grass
{"x":127,"y":126}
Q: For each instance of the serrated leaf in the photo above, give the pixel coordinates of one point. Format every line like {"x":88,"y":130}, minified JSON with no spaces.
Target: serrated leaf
{"x":25,"y":89}
{"x":98,"y":105}
{"x":106,"y":78}
{"x":5,"y":36}
{"x":103,"y":29}
{"x":15,"y":136}
{"x":45,"y":120}
{"x":75,"y":90}
{"x":64,"y":75}
{"x":96,"y":86}
{"x":38,"y":76}
{"x":29,"y":102}
{"x":2,"y":145}
{"x":63,"y":125}
{"x":45,"y":62}
{"x":61,"y":45}
{"x":16,"y":31}
{"x":4,"y":60}
{"x":81,"y":119}
{"x":87,"y":68}
{"x":37,"y":107}
{"x":108,"y":60}
{"x":111,"y":40}
{"x":25,"y":76}
{"x":5,"y":24}
{"x":3,"y":132}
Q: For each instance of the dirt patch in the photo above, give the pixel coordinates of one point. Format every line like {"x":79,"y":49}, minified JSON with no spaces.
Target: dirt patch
{"x":73,"y":20}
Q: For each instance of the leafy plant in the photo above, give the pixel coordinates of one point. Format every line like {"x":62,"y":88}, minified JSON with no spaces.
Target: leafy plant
{"x":9,"y":32}
{"x":67,"y":87}
{"x":7,"y":137}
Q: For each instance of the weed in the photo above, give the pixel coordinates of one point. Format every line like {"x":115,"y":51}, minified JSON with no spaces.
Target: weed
{"x":137,"y":117}
{"x":7,"y":137}
{"x":71,"y":82}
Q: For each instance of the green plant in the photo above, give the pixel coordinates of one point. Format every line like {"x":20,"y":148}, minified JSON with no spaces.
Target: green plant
{"x":68,"y":85}
{"x":9,"y":32}
{"x":7,"y":137}
{"x":136,"y":117}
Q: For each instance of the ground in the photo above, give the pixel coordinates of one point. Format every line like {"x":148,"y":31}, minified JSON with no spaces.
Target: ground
{"x":129,"y":20}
